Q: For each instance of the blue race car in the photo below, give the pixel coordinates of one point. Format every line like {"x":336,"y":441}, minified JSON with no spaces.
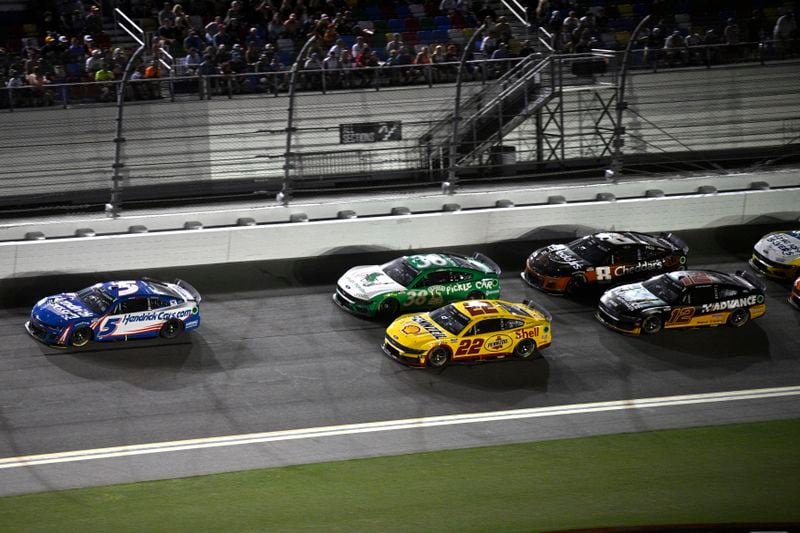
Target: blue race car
{"x":116,"y":310}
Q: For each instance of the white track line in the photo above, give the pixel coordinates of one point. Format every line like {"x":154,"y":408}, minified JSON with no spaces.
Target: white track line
{"x":393,"y":425}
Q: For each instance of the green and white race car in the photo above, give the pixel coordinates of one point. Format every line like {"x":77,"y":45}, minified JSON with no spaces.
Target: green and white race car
{"x":417,"y":282}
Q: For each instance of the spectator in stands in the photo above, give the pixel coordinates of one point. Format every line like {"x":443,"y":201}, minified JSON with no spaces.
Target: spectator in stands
{"x":222,"y":55}
{"x":252,"y":53}
{"x":212,"y":28}
{"x":358,"y":46}
{"x":94,"y":22}
{"x":784,"y":31}
{"x":152,"y":73}
{"x":192,"y":61}
{"x":137,"y":89}
{"x":93,"y":63}
{"x":193,"y":40}
{"x":39,"y":93}
{"x":223,"y":38}
{"x":182,"y":20}
{"x":274,"y":28}
{"x":105,"y":77}
{"x":488,"y":44}
{"x":499,"y":58}
{"x":503,"y":30}
{"x":711,"y":41}
{"x":570,"y":23}
{"x":731,"y":37}
{"x":291,"y":27}
{"x":166,"y":13}
{"x":348,"y":66}
{"x":337,"y":48}
{"x":311,"y":71}
{"x":169,"y":34}
{"x":653,"y":43}
{"x":695,"y":50}
{"x":526,"y":49}
{"x":333,"y":69}
{"x":235,"y":19}
{"x":256,"y":36}
{"x":207,"y":72}
{"x":395,"y":44}
{"x":675,"y":50}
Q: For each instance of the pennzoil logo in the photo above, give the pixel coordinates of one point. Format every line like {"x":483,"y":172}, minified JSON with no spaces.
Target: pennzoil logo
{"x":497,"y":343}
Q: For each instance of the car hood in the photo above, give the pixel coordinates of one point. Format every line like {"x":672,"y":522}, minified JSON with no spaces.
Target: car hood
{"x":61,"y":309}
{"x":631,"y":298}
{"x":557,"y":258}
{"x":782,"y":247}
{"x":415,"y":331}
{"x":367,"y":282}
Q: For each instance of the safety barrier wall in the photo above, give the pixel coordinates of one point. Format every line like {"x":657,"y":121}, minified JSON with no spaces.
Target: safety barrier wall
{"x":135,"y":251}
{"x":328,"y":208}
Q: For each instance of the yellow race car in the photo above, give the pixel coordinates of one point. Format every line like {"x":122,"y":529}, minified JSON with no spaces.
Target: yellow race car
{"x":472,"y":330}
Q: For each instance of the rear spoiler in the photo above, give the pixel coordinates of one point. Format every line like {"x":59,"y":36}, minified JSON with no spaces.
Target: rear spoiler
{"x":752,"y":279}
{"x":488,"y":262}
{"x":675,"y":241}
{"x":530,"y":304}
{"x":189,"y":288}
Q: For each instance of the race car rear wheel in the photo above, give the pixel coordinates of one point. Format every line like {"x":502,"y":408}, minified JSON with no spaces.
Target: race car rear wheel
{"x":81,"y":336}
{"x":388,"y":308}
{"x":738,"y":318}
{"x":576,"y":284}
{"x":171,"y":329}
{"x":652,"y":324}
{"x":525,"y":349}
{"x":438,"y":357}
{"x":476,"y":295}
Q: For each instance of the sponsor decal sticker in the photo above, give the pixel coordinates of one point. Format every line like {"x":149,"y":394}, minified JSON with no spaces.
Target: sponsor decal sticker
{"x":731,"y":304}
{"x":430,"y":328}
{"x":160,"y":315}
{"x":411,"y":329}
{"x":497,"y":343}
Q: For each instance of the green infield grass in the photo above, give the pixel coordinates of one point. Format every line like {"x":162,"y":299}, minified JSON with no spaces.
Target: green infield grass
{"x":744,"y":473}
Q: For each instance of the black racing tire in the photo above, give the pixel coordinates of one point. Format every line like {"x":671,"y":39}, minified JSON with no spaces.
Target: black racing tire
{"x":476,"y":295}
{"x":525,"y":349}
{"x":739,"y":317}
{"x":81,"y":336}
{"x":576,"y":285}
{"x":171,"y":328}
{"x":652,"y":324}
{"x":438,"y":357}
{"x":388,"y":308}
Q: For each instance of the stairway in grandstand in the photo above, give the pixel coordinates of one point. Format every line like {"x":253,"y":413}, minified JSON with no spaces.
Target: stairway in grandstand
{"x":491,"y":114}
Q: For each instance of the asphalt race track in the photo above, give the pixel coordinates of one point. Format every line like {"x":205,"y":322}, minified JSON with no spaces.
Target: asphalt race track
{"x":274,"y":353}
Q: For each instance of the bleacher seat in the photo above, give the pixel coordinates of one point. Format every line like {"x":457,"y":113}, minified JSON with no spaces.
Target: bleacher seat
{"x":349,"y":40}
{"x":402,"y":10}
{"x":425,"y":37}
{"x":468,"y":32}
{"x":373,"y":13}
{"x":387,"y":10}
{"x":285,"y":45}
{"x":456,"y":36}
{"x":440,"y":36}
{"x":380,"y":26}
{"x":625,"y":10}
{"x":409,"y":37}
{"x":396,"y":25}
{"x":417,"y":10}
{"x":682,"y":17}
{"x":411,"y":24}
{"x":622,"y":37}
{"x":442,"y":22}
{"x":640,"y":10}
{"x":427,"y":23}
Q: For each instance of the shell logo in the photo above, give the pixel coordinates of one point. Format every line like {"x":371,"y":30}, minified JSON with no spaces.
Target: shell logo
{"x":411,"y":329}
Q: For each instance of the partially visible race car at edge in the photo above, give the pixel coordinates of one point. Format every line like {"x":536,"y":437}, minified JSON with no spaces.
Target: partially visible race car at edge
{"x":417,"y":282}
{"x":606,"y":258}
{"x":115,"y":310}
{"x":777,"y":255}
{"x":794,"y":295}
{"x":683,"y":299}
{"x":469,"y":331}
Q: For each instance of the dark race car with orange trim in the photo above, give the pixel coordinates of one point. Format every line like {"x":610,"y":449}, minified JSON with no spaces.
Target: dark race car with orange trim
{"x":684,"y":299}
{"x":794,"y":295}
{"x":606,"y":258}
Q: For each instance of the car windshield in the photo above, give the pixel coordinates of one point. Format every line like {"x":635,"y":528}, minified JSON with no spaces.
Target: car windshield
{"x":589,"y":249}
{"x":450,"y":318}
{"x":664,"y":287}
{"x":96,"y":299}
{"x":400,"y":271}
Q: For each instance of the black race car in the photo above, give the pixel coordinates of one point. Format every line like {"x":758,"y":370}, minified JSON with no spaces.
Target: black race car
{"x":684,"y":299}
{"x":606,"y":258}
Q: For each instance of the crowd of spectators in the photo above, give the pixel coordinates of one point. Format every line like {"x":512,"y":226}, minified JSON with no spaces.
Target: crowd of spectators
{"x":225,"y":41}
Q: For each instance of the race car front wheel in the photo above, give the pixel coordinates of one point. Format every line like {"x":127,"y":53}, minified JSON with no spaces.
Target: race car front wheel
{"x":525,"y":349}
{"x":438,"y":357}
{"x":171,"y":329}
{"x":576,"y":284}
{"x":388,"y":308}
{"x":81,"y":336}
{"x":652,"y":324}
{"x":738,"y":318}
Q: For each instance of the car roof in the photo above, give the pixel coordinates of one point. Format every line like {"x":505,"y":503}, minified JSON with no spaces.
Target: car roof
{"x":445,"y":260}
{"x":143,"y":288}
{"x":618,"y":238}
{"x":690,"y":278}
{"x":502,"y":309}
